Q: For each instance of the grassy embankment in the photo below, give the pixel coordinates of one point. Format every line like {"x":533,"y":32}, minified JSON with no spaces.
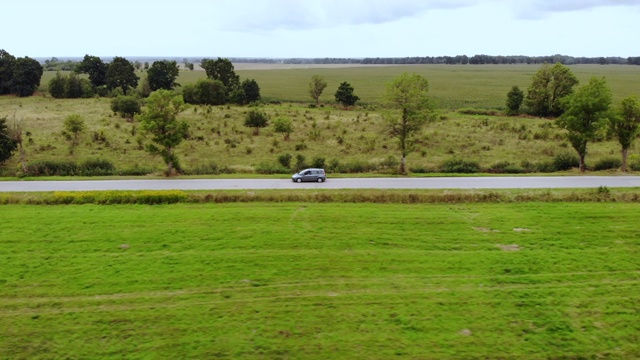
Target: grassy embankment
{"x":354,"y":138}
{"x":301,"y":280}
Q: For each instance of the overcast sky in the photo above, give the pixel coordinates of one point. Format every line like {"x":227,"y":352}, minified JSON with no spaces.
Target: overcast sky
{"x":320,"y":28}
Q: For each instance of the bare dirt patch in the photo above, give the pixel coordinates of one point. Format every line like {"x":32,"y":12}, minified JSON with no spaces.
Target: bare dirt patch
{"x":485,"y":230}
{"x":511,"y":247}
{"x":521,"y":230}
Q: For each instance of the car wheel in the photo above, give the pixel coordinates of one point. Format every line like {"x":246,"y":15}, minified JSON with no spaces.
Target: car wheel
{"x":299,"y":180}
{"x":320,"y":179}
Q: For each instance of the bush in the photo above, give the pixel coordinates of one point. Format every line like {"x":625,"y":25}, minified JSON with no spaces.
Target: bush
{"x":565,"y":161}
{"x":505,"y":167}
{"x":96,"y":167}
{"x":484,"y":112}
{"x":285,"y":160}
{"x":52,"y":168}
{"x":608,"y":164}
{"x":460,"y":166}
{"x":125,"y":106}
{"x":205,"y":92}
{"x":268,"y":168}
{"x":318,"y":162}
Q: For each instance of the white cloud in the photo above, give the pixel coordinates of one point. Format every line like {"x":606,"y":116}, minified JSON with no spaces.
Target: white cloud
{"x":536,"y":9}
{"x":270,"y":15}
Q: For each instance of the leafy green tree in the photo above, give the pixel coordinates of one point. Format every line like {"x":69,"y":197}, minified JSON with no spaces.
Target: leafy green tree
{"x":587,"y":113}
{"x":205,"y":91}
{"x":144,"y":89}
{"x":316,"y":87}
{"x":126,"y":106}
{"x":73,"y":87}
{"x":256,"y":120}
{"x":625,"y":126}
{"x":163,"y":75}
{"x":95,"y":68}
{"x":223,"y":70}
{"x":121,"y":74}
{"x":549,"y":86}
{"x":57,"y":85}
{"x":7,"y":61}
{"x":515,"y":97}
{"x":8,"y":143}
{"x":146,"y":65}
{"x":160,"y":119}
{"x":27,"y":73}
{"x":283,"y":125}
{"x":409,"y":94}
{"x":138,"y":65}
{"x":251,"y":90}
{"x":73,"y":126}
{"x":344,"y":95}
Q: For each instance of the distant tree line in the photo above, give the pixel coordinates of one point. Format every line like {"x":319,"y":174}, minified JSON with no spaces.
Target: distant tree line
{"x":452,"y":60}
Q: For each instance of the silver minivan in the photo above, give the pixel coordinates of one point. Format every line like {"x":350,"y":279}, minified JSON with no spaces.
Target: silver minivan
{"x":315,"y":175}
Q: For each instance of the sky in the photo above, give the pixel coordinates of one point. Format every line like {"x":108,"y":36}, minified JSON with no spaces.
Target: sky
{"x":318,"y":29}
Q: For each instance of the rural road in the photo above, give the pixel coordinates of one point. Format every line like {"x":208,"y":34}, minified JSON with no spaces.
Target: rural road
{"x":344,"y":183}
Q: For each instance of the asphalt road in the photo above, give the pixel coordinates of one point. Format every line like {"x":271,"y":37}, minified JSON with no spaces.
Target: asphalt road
{"x":362,"y":183}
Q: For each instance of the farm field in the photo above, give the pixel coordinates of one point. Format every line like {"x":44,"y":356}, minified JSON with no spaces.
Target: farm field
{"x":451,"y":86}
{"x":306,"y":280}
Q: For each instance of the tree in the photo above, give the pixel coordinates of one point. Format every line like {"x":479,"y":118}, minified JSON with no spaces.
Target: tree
{"x":7,"y":61}
{"x":73,"y":126}
{"x":408,"y":93}
{"x":57,"y":85}
{"x":223,"y":70}
{"x":160,"y":119}
{"x":138,"y":65}
{"x":284,"y":126}
{"x":205,"y":91}
{"x":587,"y":113}
{"x":316,"y":87}
{"x":163,"y":74}
{"x":7,"y":142}
{"x":549,"y":86}
{"x":126,"y":106}
{"x":256,"y":119}
{"x":625,"y":126}
{"x":27,"y":73}
{"x":121,"y":74}
{"x":95,"y":67}
{"x":344,"y":95}
{"x":251,"y":90}
{"x":514,"y":100}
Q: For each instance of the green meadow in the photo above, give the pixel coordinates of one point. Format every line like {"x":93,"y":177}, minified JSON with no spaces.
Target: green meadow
{"x":451,"y":86}
{"x":288,"y":280}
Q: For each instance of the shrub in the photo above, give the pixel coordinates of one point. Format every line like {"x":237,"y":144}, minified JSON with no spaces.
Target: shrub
{"x":52,"y":168}
{"x":459,"y":166}
{"x":268,"y":168}
{"x":608,"y":164}
{"x":484,"y":112}
{"x":96,"y":167}
{"x":565,"y":161}
{"x":125,"y":106}
{"x":285,"y":160}
{"x":505,"y":167}
{"x":256,"y":119}
{"x":318,"y":162}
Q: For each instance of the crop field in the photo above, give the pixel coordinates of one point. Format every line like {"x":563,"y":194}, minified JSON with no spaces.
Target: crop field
{"x":451,"y":86}
{"x":315,"y":281}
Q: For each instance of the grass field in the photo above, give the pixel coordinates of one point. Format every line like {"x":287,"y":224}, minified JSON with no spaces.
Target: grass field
{"x":318,"y":281}
{"x":451,"y":86}
{"x":353,"y":138}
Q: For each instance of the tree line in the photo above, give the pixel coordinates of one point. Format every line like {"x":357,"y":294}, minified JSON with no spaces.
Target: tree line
{"x":479,"y":59}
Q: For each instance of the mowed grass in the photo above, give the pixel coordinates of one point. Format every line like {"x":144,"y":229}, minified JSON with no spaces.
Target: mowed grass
{"x":318,"y":281}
